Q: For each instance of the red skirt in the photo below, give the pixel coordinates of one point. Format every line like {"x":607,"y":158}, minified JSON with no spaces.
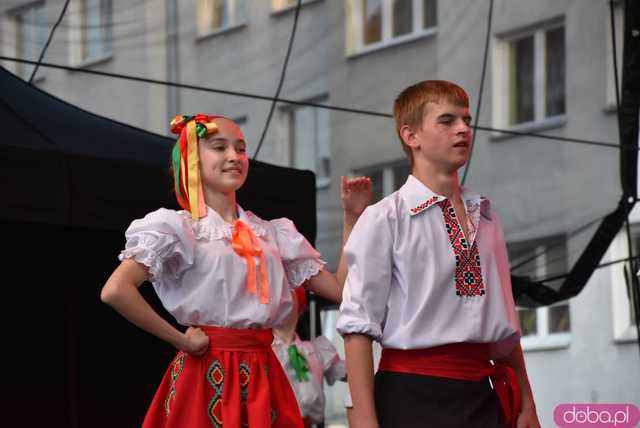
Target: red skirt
{"x":237,"y":383}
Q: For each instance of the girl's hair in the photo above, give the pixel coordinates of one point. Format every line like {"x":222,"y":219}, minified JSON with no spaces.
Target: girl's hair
{"x":185,"y":163}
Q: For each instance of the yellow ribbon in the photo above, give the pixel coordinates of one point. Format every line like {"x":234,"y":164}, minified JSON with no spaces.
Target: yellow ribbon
{"x":246,"y":245}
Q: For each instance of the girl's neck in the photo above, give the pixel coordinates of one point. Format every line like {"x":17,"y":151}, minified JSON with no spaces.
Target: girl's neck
{"x":224,"y":204}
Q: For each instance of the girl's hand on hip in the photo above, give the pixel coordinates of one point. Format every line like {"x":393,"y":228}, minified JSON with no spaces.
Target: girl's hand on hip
{"x":197,"y":341}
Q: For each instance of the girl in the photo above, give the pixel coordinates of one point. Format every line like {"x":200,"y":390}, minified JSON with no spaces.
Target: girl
{"x":224,"y":272}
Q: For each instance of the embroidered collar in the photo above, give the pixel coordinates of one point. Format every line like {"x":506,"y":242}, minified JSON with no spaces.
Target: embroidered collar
{"x":214,"y":227}
{"x":418,"y":198}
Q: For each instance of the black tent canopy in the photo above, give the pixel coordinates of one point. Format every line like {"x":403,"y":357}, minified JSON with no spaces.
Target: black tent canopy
{"x":72,"y":183}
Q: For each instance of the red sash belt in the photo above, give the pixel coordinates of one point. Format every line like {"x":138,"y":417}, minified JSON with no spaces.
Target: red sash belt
{"x":462,"y":361}
{"x":238,"y":339}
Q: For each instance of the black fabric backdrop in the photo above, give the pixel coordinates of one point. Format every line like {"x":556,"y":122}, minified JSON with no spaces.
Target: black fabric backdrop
{"x":72,"y":182}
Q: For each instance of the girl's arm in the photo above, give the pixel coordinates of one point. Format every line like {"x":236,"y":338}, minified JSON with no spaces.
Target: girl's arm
{"x":121,"y":292}
{"x":356,"y":195}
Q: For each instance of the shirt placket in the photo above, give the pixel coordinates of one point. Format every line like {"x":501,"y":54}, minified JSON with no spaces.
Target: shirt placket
{"x":468,"y":271}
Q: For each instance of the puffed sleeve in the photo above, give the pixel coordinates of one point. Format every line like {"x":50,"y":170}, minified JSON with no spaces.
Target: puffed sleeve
{"x":301,"y":261}
{"x":333,"y":366}
{"x":163,"y":241}
{"x":369,"y":258}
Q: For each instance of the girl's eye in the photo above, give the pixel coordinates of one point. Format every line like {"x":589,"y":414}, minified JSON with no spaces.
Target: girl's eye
{"x":241,"y":149}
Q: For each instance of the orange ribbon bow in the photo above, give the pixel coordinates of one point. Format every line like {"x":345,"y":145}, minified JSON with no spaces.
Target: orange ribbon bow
{"x":246,"y":245}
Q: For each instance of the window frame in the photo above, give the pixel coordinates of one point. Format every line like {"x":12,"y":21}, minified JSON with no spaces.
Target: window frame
{"x":275,"y":10}
{"x":286,"y":133}
{"x":543,"y":339}
{"x":237,"y":19}
{"x":79,"y":39}
{"x":36,"y":11}
{"x":618,"y":13}
{"x":502,"y":92}
{"x":354,"y":44}
{"x":386,"y":170}
{"x":624,"y":331}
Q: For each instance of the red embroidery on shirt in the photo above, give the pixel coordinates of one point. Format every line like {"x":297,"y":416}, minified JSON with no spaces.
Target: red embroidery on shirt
{"x":424,"y":205}
{"x":468,"y":270}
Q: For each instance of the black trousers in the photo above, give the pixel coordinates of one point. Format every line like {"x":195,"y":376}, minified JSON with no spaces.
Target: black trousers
{"x":409,"y":400}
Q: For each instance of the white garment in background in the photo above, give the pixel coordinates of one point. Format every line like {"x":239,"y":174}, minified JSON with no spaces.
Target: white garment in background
{"x":323,"y":362}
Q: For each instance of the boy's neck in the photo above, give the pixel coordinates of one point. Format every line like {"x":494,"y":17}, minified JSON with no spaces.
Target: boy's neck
{"x":442,"y":183}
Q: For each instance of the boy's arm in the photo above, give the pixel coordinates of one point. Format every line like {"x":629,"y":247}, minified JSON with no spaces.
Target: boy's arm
{"x":359,"y":357}
{"x":528,"y":417}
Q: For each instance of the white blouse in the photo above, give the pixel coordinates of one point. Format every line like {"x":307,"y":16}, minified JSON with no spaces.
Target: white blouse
{"x":323,"y":362}
{"x":415,"y":281}
{"x":199,"y":278}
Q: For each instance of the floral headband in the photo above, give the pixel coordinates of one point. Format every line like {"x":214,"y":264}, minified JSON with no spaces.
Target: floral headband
{"x":186,"y":163}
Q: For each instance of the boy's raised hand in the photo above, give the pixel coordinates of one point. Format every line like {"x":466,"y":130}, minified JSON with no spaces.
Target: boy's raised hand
{"x":356,"y":195}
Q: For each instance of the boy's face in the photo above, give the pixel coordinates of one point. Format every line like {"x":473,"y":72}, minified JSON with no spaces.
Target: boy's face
{"x":444,"y":139}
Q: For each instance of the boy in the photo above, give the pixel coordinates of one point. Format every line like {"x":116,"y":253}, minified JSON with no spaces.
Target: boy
{"x":429,"y":279}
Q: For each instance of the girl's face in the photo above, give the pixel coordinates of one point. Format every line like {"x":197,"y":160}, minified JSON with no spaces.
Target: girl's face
{"x":223,"y":158}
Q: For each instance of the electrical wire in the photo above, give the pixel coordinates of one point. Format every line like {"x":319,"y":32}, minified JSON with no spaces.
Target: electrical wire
{"x":282,"y":76}
{"x":46,"y":45}
{"x":303,"y":103}
{"x":482,"y":76}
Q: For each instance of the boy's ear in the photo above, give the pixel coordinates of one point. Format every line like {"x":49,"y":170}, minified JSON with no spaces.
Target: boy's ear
{"x":408,"y":135}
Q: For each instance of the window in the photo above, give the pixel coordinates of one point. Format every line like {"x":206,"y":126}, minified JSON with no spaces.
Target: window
{"x":622,"y":294}
{"x":91,"y":31}
{"x":280,"y":5}
{"x":30,"y":36}
{"x":310,"y":143}
{"x":529,"y":77}
{"x":545,"y":327}
{"x":219,"y":15}
{"x":377,"y":23}
{"x":386,"y":179}
{"x":618,"y":14}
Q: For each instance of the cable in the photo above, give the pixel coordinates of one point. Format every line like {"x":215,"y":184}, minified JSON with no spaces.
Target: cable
{"x":302,"y":103}
{"x":603,"y":265}
{"x":46,"y":45}
{"x":484,"y":69}
{"x":558,"y":244}
{"x":282,"y":75}
{"x":631,"y":277}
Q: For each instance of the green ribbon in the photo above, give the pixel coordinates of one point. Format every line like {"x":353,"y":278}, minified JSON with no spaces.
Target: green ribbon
{"x":201,"y":130}
{"x":299,"y":363}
